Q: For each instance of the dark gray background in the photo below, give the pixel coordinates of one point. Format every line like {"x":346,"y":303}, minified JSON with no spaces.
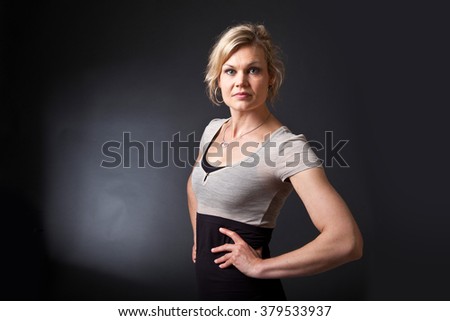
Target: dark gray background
{"x":75,"y":76}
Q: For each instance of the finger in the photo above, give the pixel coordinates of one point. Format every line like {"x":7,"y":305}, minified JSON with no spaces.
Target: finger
{"x":231,"y":234}
{"x":226,"y":264}
{"x":222,"y":259}
{"x":223,"y":248}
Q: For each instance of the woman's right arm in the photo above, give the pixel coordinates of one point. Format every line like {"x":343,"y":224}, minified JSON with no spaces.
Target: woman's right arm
{"x":192,"y":200}
{"x":192,"y":205}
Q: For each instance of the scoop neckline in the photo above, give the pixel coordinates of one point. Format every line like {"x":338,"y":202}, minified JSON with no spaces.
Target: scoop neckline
{"x":271,"y":135}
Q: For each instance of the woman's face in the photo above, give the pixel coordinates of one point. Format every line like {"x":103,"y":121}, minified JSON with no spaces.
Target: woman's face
{"x":244,"y":79}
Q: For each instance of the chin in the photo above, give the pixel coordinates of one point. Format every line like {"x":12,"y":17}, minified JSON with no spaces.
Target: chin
{"x":245,"y":106}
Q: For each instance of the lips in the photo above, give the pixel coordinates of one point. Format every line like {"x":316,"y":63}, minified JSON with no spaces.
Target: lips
{"x":241,"y":94}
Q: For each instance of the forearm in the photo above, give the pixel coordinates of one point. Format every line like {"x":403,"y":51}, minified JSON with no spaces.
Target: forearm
{"x":327,"y":251}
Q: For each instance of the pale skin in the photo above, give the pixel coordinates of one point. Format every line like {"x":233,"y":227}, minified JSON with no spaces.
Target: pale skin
{"x":339,"y":240}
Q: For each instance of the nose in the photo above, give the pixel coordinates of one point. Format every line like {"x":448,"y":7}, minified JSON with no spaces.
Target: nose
{"x":241,"y":79}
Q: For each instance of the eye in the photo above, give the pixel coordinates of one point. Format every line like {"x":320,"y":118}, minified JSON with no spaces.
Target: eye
{"x":230,"y":72}
{"x":254,"y":70}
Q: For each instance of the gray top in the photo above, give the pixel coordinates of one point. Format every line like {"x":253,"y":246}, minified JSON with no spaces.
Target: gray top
{"x":253,"y":190}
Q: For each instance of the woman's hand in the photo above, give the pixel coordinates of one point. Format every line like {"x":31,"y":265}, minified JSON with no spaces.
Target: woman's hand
{"x":240,"y":254}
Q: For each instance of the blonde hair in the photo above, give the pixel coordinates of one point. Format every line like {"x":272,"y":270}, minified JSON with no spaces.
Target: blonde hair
{"x":229,"y":42}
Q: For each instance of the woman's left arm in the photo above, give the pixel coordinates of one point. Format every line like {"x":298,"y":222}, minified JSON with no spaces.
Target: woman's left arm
{"x":339,"y":241}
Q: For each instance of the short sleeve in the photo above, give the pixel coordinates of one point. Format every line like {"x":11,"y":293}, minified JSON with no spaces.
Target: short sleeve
{"x":294,"y":154}
{"x":202,"y":146}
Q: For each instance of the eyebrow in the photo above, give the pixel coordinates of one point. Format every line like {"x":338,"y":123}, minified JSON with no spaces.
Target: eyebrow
{"x":250,"y":64}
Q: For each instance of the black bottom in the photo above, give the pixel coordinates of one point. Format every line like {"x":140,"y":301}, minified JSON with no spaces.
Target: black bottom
{"x":229,"y":284}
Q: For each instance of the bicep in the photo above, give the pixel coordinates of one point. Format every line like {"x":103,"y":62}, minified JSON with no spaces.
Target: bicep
{"x":324,"y":205}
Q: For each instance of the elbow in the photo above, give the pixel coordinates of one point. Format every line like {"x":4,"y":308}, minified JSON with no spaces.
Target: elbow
{"x":355,"y":248}
{"x":350,"y":247}
{"x":356,"y":253}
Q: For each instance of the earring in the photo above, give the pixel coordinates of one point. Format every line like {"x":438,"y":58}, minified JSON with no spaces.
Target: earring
{"x":215,"y":96}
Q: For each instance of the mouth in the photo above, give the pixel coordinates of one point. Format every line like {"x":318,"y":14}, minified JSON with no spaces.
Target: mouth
{"x":241,"y":95}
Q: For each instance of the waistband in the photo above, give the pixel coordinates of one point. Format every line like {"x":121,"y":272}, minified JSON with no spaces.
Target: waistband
{"x":255,"y":236}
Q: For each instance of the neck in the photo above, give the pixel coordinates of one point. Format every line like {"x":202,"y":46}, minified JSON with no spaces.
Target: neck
{"x":241,"y":122}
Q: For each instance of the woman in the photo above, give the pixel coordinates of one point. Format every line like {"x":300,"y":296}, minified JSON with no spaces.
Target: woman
{"x":247,"y":166}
